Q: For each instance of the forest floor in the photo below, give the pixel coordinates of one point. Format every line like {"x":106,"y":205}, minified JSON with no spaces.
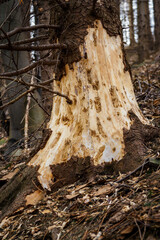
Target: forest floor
{"x":107,"y":207}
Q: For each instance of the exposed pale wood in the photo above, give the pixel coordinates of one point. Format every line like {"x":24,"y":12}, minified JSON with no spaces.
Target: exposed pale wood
{"x":102,"y":96}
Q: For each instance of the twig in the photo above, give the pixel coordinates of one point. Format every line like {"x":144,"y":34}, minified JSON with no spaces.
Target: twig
{"x":26,"y":125}
{"x":69,"y":101}
{"x":73,"y":228}
{"x":9,"y":15}
{"x":29,"y":40}
{"x":22,"y":82}
{"x":40,"y":105}
{"x":17,"y":98}
{"x":9,"y":44}
{"x":85,"y":235}
{"x":47,"y":89}
{"x":28,"y":68}
{"x":139,"y":230}
{"x":37,"y":186}
{"x":102,"y":222}
{"x":146,"y":161}
{"x":32,"y":48}
{"x":26,"y":29}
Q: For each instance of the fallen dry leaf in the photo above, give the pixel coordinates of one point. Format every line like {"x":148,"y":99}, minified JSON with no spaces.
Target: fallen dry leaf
{"x":80,"y":187}
{"x":71,"y":196}
{"x":34,"y":198}
{"x":46,"y":211}
{"x":9,"y":175}
{"x":106,"y":189}
{"x":127,"y":230}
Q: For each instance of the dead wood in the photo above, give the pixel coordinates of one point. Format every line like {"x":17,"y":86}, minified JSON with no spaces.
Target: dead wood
{"x":12,"y":194}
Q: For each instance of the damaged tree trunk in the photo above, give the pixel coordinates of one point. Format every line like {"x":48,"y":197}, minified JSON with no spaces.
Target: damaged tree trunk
{"x":94,"y":74}
{"x":103,"y":125}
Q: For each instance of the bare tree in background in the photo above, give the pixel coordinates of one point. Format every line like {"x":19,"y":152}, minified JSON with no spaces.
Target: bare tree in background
{"x":145,"y":39}
{"x":131,"y":24}
{"x":157,"y":23}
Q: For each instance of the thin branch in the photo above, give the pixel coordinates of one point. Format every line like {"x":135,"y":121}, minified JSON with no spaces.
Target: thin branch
{"x":28,"y":68}
{"x":54,"y":92}
{"x":29,"y":40}
{"x":26,"y":120}
{"x":69,"y":101}
{"x":8,"y":15}
{"x":40,"y":104}
{"x":17,"y":98}
{"x":139,"y":229}
{"x":26,"y":29}
{"x":32,"y":48}
{"x":19,"y":81}
{"x":9,"y":44}
{"x":146,"y":161}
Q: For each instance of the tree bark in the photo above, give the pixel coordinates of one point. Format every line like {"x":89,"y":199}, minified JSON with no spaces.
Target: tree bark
{"x":131,"y":24}
{"x":157,"y":23}
{"x":145,"y":39}
{"x":45,"y":72}
{"x":103,"y":128}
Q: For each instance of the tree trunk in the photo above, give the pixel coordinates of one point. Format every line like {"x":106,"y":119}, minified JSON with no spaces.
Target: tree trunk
{"x":103,"y":127}
{"x":145,"y":38}
{"x":97,"y":80}
{"x":157,"y":23}
{"x":46,"y":72}
{"x":118,"y":7}
{"x":131,"y":24}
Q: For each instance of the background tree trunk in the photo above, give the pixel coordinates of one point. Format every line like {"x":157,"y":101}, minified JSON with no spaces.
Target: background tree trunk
{"x":13,"y":61}
{"x":145,"y":39}
{"x":131,"y":24}
{"x":157,"y":23}
{"x":46,"y":72}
